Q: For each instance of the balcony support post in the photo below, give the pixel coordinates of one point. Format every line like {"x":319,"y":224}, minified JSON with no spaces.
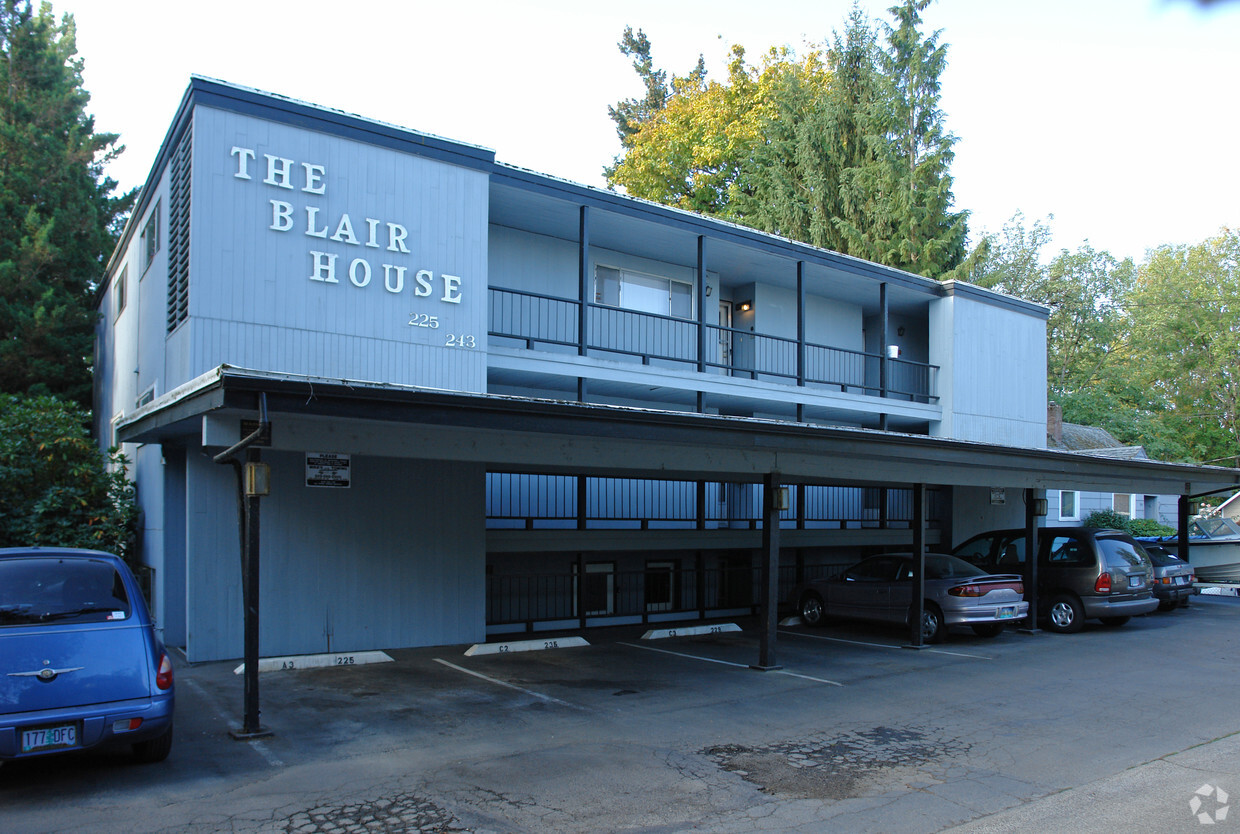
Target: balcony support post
{"x":800,"y":336}
{"x":882,"y":351}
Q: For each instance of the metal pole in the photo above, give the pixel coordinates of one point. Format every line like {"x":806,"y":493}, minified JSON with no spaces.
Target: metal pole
{"x":770,"y":574}
{"x":918,"y":591}
{"x":251,"y":726}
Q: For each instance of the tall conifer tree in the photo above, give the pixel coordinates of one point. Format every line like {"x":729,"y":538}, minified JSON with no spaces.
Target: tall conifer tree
{"x":58,"y":218}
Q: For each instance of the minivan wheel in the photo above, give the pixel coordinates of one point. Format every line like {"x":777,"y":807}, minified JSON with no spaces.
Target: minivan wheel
{"x":1114,"y":622}
{"x":1065,"y":615}
{"x":813,"y":611}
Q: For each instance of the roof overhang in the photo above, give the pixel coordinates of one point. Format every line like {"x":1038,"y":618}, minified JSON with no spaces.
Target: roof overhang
{"x":554,"y":437}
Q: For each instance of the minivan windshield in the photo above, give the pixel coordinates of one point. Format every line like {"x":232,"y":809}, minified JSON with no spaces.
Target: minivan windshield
{"x":42,"y":589}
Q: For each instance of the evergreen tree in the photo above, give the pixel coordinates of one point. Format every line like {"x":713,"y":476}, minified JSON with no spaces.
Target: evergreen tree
{"x":58,"y":218}
{"x":845,"y":148}
{"x":900,"y":202}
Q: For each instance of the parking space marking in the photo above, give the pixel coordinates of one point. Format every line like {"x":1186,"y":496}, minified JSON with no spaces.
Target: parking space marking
{"x":255,"y":744}
{"x":729,"y":663}
{"x":683,"y":654}
{"x":806,"y":677}
{"x":529,"y":692}
{"x":879,"y":645}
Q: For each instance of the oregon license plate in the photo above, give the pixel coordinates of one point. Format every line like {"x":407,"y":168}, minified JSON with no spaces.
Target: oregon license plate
{"x":49,"y":738}
{"x":1005,"y":612}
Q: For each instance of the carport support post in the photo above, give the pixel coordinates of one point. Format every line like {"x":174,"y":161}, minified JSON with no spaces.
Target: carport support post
{"x":1031,"y":558}
{"x":917,"y":609}
{"x":770,"y":574}
{"x":251,"y":726}
{"x":1181,"y":525}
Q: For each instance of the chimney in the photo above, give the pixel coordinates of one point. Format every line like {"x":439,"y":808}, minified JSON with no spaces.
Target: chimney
{"x":1054,"y":422}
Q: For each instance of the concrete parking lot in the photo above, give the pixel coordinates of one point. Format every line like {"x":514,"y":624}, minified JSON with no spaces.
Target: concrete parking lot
{"x":1109,"y":729}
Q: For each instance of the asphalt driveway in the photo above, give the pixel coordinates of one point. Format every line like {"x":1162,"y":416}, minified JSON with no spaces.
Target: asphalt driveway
{"x":1104,"y":730}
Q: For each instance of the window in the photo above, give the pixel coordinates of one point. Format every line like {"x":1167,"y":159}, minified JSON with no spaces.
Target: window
{"x":118,"y":288}
{"x":150,"y":238}
{"x":1069,"y":505}
{"x":1122,"y":503}
{"x":643,"y":293}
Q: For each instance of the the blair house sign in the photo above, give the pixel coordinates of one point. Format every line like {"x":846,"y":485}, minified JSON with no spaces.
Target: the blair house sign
{"x":383,"y":263}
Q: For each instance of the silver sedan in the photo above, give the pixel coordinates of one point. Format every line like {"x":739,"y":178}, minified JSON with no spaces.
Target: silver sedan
{"x":880,"y":589}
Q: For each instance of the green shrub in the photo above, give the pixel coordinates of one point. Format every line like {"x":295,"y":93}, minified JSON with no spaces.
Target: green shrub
{"x":56,"y":488}
{"x":1149,"y":527}
{"x":1108,"y":519}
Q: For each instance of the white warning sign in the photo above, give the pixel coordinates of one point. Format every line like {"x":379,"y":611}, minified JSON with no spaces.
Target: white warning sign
{"x":327,"y":469}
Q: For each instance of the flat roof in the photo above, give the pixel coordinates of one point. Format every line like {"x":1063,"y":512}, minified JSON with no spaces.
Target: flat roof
{"x":556,"y":437}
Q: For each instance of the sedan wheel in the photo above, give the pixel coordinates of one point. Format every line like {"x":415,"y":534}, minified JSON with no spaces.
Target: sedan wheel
{"x":932,"y":628}
{"x":813,"y":612}
{"x":1066,"y":615}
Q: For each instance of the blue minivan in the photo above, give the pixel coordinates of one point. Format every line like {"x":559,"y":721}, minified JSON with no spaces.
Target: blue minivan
{"x":80,"y":663}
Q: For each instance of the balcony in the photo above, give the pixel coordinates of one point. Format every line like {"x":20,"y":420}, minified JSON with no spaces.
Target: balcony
{"x":543,"y":322}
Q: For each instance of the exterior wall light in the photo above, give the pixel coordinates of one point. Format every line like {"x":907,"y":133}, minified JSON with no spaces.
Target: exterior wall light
{"x":745,"y":306}
{"x":1039,"y":506}
{"x":893,"y":351}
{"x":257,"y":479}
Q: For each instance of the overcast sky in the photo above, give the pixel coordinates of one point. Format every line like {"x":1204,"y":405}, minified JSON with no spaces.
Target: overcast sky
{"x":1119,"y":117}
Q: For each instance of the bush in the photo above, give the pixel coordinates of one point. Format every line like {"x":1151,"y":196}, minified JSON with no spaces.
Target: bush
{"x":56,"y":488}
{"x":1149,"y":527}
{"x":1108,"y":519}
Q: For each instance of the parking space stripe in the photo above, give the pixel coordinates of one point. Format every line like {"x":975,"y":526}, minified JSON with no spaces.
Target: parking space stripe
{"x":806,"y":677}
{"x":879,"y":645}
{"x":728,"y":663}
{"x":683,"y":654}
{"x":498,"y":682}
{"x":255,"y":744}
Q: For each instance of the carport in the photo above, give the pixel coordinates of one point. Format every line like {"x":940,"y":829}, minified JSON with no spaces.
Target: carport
{"x":540,"y":436}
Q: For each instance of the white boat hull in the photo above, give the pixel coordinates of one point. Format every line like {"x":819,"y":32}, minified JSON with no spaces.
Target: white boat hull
{"x":1214,"y":561}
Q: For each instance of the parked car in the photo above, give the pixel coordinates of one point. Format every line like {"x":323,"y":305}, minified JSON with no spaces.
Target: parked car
{"x":80,"y":664}
{"x":1173,"y":577}
{"x":880,"y":589}
{"x":1083,"y":573}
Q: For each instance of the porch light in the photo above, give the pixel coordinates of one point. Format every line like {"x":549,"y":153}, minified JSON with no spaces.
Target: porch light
{"x":893,"y":351}
{"x":745,"y":306}
{"x":1039,"y":506}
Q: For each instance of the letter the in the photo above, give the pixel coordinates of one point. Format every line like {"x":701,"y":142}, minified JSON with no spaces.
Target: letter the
{"x":451,"y":289}
{"x":281,"y":216}
{"x":278,"y":170}
{"x":244,"y":155}
{"x":314,"y":178}
{"x":324,"y":267}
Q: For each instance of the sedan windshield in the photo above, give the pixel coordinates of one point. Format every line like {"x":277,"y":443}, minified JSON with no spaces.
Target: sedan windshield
{"x":45,"y":589}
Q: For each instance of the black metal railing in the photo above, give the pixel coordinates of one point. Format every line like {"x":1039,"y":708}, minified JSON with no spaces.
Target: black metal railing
{"x":535,"y":320}
{"x":517,"y":499}
{"x":655,"y":594}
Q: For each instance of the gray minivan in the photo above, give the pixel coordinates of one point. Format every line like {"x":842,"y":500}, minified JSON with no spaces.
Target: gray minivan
{"x":1083,"y":573}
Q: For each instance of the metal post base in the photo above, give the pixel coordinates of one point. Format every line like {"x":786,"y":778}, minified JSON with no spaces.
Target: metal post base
{"x":242,"y":735}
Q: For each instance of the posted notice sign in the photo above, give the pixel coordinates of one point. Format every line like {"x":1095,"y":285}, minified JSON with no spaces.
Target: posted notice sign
{"x":327,"y":469}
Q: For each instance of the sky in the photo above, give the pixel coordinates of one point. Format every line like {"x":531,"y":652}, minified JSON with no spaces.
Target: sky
{"x":1118,"y":118}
